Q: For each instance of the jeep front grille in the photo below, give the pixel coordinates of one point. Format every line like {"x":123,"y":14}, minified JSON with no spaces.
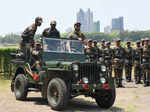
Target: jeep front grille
{"x":89,"y":70}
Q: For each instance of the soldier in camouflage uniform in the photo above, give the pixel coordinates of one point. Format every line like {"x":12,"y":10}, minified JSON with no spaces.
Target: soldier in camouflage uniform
{"x":97,"y":50}
{"x":77,"y":34}
{"x":137,"y":63}
{"x":146,"y":63}
{"x":28,"y":37}
{"x":51,"y":32}
{"x":108,"y":54}
{"x":29,"y":32}
{"x":102,"y":49}
{"x":90,"y":52}
{"x":128,"y":61}
{"x":36,"y":56}
{"x":118,"y":61}
{"x":103,"y":44}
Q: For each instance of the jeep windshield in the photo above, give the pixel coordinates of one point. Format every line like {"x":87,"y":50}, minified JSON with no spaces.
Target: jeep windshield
{"x":63,"y":45}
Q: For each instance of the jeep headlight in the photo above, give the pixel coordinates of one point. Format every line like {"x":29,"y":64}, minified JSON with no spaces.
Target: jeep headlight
{"x":76,"y":75}
{"x":75,"y":67}
{"x":85,"y":80}
{"x":144,"y":60}
{"x":103,"y":80}
{"x":103,"y":68}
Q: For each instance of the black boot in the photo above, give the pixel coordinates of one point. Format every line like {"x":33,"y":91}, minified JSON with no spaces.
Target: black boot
{"x":120,"y":83}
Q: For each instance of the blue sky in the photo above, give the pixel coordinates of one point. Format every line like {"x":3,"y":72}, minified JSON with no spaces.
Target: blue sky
{"x":16,"y":15}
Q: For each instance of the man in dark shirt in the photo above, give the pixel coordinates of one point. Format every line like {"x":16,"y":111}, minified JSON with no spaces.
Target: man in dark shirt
{"x":51,"y":32}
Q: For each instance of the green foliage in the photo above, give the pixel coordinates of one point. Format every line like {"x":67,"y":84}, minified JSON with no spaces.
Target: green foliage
{"x":5,"y":59}
{"x":126,"y":35}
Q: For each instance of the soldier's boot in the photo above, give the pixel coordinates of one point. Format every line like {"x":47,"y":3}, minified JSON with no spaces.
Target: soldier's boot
{"x":126,"y":73}
{"x":136,"y":78}
{"x":120,"y":83}
{"x":148,"y":78}
{"x":138,"y":81}
{"x":129,"y":74}
{"x":145,"y":80}
{"x":128,"y":79}
{"x":117,"y":83}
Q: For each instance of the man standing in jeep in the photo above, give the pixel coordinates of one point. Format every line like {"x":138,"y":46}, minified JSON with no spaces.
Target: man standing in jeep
{"x":51,"y":32}
{"x":36,"y":56}
{"x":77,"y":34}
{"x":29,"y":32}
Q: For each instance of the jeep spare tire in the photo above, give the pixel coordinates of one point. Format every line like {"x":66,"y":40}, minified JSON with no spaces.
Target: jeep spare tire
{"x":20,"y":87}
{"x":57,"y":94}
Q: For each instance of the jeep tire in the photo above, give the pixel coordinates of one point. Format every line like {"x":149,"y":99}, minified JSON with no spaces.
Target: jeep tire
{"x":20,"y":87}
{"x":105,"y":98}
{"x":57,"y":94}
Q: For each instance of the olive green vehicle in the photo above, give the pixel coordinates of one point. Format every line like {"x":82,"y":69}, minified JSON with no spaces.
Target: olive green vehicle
{"x":64,"y":74}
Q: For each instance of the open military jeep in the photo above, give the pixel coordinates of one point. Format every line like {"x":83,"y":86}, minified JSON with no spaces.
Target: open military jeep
{"x":64,"y":74}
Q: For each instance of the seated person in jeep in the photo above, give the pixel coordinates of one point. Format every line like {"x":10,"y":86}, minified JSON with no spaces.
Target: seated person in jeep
{"x":36,"y":56}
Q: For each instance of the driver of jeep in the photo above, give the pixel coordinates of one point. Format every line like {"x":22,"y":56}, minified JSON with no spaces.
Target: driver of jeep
{"x":36,"y":57}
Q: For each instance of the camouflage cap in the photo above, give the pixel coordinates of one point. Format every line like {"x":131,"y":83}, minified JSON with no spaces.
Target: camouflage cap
{"x":118,"y":40}
{"x":38,"y":42}
{"x":53,"y":22}
{"x":94,"y":41}
{"x":146,"y":39}
{"x":103,"y":40}
{"x":90,"y":40}
{"x":138,"y":42}
{"x":108,"y":43}
{"x":77,"y":23}
{"x":142,"y":39}
{"x":128,"y":42}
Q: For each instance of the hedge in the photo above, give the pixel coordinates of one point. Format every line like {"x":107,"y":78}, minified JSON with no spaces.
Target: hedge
{"x":5,"y":59}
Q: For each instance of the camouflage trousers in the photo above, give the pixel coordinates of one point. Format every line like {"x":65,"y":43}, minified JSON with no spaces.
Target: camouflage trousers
{"x":109,"y":67}
{"x":27,"y":48}
{"x":128,"y":72}
{"x":146,"y":69}
{"x":137,"y":73}
{"x":118,"y":75}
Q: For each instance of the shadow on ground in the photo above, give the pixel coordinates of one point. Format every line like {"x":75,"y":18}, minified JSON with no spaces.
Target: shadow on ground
{"x":77,"y":105}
